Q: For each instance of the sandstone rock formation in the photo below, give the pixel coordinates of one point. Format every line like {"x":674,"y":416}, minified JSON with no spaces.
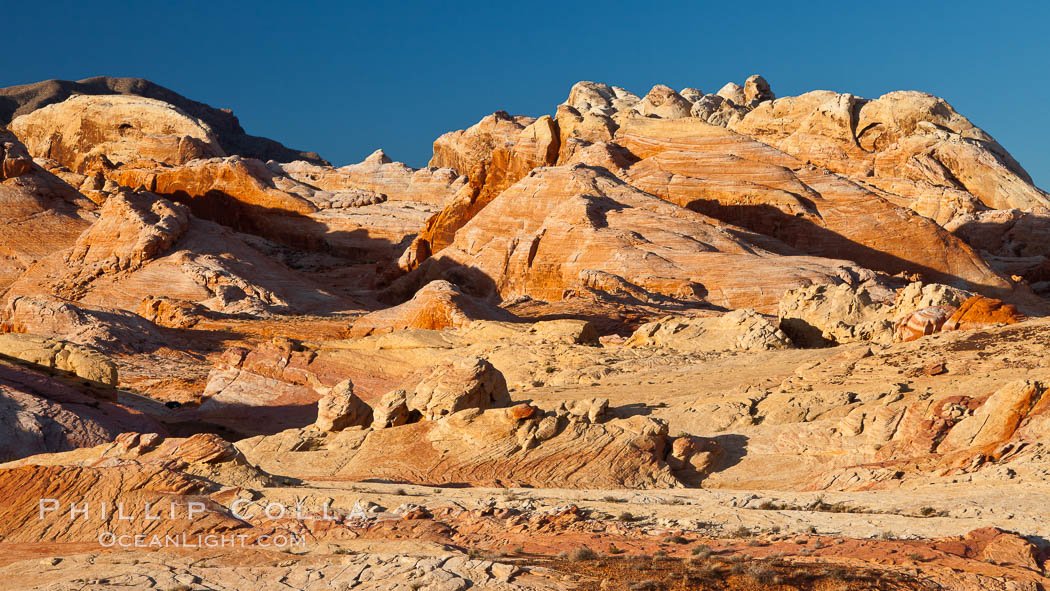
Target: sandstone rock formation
{"x":437,"y":305}
{"x":379,"y":174}
{"x":391,"y":410}
{"x":27,"y":98}
{"x":581,"y":229}
{"x":340,"y":408}
{"x":41,"y":213}
{"x":50,"y":414}
{"x":140,"y":237}
{"x":819,"y":315}
{"x":470,"y":382}
{"x":978,"y":312}
{"x":47,"y":352}
{"x":744,"y":330}
{"x":494,"y":154}
{"x":743,"y":182}
{"x":192,"y":315}
{"x":906,"y":143}
{"x":922,"y":322}
{"x":88,"y":133}
{"x":481,"y":447}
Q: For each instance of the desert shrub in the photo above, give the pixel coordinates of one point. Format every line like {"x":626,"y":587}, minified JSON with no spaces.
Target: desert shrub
{"x":582,"y":553}
{"x":761,"y":574}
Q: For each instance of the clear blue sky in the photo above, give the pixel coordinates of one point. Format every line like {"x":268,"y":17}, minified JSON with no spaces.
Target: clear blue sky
{"x":343,"y":78}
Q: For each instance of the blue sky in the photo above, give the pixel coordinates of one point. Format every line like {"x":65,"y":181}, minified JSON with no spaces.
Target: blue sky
{"x":343,"y":78}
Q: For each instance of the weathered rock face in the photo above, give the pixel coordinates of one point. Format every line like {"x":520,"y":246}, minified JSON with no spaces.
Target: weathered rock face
{"x":47,"y":352}
{"x":266,"y":389}
{"x":469,"y":382}
{"x":39,"y":213}
{"x":140,"y":239}
{"x":87,"y":133}
{"x":133,"y":482}
{"x":46,"y":414}
{"x":340,"y":408}
{"x":248,"y":196}
{"x":997,"y":419}
{"x":574,"y":229}
{"x":131,"y":231}
{"x":27,"y":98}
{"x":743,"y":330}
{"x":494,"y":153}
{"x":907,"y":143}
{"x":438,"y":305}
{"x":205,"y":455}
{"x":1014,"y":241}
{"x":741,"y":181}
{"x":1006,"y":233}
{"x":104,"y":329}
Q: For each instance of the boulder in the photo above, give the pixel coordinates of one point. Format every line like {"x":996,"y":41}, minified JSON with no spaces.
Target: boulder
{"x":980,"y":312}
{"x":588,"y":409}
{"x":918,"y":295}
{"x":922,"y":322}
{"x":340,"y":408}
{"x":663,"y":102}
{"x":756,"y":90}
{"x":462,"y":383}
{"x":733,"y":92}
{"x":391,"y":410}
{"x":15,"y":160}
{"x":170,"y":312}
{"x":692,"y":458}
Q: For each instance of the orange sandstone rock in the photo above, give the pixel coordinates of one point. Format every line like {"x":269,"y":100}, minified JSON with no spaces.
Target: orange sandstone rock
{"x":980,"y":311}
